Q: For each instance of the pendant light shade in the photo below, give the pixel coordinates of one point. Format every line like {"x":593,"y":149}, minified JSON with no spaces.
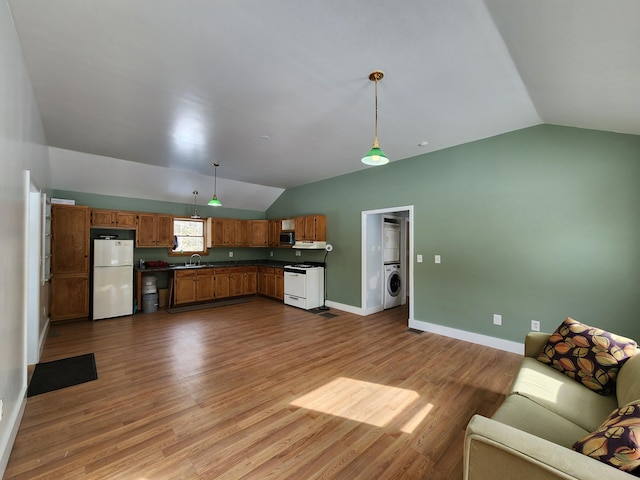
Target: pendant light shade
{"x":214,"y":202}
{"x":376,"y":156}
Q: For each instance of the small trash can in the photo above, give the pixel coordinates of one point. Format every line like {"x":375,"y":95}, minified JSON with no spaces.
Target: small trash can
{"x":150,"y":302}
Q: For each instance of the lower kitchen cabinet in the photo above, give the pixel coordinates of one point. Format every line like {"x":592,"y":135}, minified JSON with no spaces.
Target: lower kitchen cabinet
{"x":279,"y":283}
{"x":236,"y":281}
{"x":250,"y":280}
{"x":69,"y":297}
{"x":192,"y":286}
{"x":221,"y":282}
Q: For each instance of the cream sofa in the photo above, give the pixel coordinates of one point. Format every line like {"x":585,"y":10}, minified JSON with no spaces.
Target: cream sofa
{"x":545,"y":413}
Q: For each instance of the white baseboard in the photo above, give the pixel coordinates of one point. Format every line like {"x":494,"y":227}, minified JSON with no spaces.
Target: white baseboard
{"x":15,"y":417}
{"x":486,"y":340}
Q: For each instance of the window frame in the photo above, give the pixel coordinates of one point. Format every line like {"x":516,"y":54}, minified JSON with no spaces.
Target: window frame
{"x":203,"y":222}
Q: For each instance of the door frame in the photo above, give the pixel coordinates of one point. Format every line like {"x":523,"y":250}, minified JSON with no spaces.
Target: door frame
{"x":368,"y":216}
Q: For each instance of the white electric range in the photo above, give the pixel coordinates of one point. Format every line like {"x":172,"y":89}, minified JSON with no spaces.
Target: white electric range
{"x":304,"y":285}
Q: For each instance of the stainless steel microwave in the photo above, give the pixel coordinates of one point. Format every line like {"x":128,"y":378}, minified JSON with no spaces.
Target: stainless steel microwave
{"x":287,"y":238}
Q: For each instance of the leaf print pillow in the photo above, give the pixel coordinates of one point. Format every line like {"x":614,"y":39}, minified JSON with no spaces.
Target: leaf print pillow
{"x":587,"y":354}
{"x":617,"y":441}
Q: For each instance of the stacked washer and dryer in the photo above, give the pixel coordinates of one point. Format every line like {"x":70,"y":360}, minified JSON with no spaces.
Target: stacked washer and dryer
{"x":391,"y":254}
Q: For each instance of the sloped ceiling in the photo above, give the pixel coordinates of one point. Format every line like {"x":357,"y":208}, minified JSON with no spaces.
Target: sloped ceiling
{"x":277,"y":92}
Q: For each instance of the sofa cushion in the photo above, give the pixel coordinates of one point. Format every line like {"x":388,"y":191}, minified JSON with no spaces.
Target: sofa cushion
{"x":526,"y":415}
{"x":617,"y":441}
{"x":560,"y":394}
{"x":587,"y":354}
{"x":628,"y":382}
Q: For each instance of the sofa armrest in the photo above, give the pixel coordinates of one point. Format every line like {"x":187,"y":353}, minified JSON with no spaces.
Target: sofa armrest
{"x":534,"y":342}
{"x":495,"y":451}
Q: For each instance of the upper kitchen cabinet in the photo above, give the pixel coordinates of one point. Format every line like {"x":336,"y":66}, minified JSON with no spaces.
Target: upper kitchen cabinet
{"x":154,"y":230}
{"x":275,"y":227}
{"x":227,"y":232}
{"x":259,"y":233}
{"x":69,"y":262}
{"x":113,"y":219}
{"x":311,"y":228}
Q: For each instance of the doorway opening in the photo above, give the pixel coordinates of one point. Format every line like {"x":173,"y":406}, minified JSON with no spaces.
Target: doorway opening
{"x":376,"y":261}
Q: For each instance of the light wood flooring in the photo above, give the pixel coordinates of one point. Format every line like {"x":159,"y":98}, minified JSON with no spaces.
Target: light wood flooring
{"x":259,"y":391}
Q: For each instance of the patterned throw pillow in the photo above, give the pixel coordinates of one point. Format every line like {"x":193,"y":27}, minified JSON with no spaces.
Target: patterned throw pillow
{"x":587,"y":354}
{"x":617,"y":441}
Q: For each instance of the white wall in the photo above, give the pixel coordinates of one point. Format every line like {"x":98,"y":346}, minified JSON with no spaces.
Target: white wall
{"x":22,"y":147}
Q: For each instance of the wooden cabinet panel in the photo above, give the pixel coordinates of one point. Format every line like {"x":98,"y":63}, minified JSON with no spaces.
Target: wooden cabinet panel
{"x":221,"y":282}
{"x":311,"y":228}
{"x":103,"y":218}
{"x":113,"y":219}
{"x":164,"y":231}
{"x":69,"y":297}
{"x":69,"y":239}
{"x":279,"y":283}
{"x":236,"y":281}
{"x":250,"y":280}
{"x":192,"y":286}
{"x":275,"y":227}
{"x":205,"y":286}
{"x":154,"y":230}
{"x":259,"y":233}
{"x":146,"y":232}
{"x":185,"y":287}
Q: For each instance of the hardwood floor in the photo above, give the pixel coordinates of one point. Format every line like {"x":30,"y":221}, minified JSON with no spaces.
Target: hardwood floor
{"x":259,"y":390}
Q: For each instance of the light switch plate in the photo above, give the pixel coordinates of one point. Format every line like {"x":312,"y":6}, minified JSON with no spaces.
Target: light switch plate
{"x":419,"y":258}
{"x":497,"y":319}
{"x":437,"y":259}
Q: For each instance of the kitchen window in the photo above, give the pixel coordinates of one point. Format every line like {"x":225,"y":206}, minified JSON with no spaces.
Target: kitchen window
{"x":189,"y":236}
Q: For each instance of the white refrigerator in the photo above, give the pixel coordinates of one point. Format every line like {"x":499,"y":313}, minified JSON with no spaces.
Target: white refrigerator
{"x":112,"y":278}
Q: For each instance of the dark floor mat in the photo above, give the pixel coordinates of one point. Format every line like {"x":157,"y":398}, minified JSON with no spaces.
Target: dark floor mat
{"x":50,"y":376}
{"x":202,"y":306}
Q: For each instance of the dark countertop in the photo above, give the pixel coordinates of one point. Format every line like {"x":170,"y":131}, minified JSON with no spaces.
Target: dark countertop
{"x":223,"y":263}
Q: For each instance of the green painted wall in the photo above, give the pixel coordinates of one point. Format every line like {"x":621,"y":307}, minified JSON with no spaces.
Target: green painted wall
{"x":540,"y":223}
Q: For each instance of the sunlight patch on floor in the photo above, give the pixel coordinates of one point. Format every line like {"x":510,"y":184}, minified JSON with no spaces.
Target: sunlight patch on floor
{"x":366,"y":402}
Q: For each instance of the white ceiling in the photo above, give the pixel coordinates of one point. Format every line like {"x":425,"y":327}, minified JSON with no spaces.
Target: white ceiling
{"x":180,"y":84}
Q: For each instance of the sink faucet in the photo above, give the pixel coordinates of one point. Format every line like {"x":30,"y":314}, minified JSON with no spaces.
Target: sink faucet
{"x":197,"y":260}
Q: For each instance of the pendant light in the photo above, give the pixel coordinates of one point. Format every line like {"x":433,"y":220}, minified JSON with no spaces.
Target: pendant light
{"x":214,"y":202}
{"x":376,"y":156}
{"x":195,"y":205}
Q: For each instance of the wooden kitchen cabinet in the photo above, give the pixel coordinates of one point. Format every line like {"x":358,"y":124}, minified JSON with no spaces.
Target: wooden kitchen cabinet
{"x":227,"y":232}
{"x":70,"y":245}
{"x":259,"y":233}
{"x":250,"y":280}
{"x":267,"y":281}
{"x":154,"y":230}
{"x":311,"y":228}
{"x":196,"y":285}
{"x":279,"y":283}
{"x":236,"y":281}
{"x":113,"y":219}
{"x":275,"y":227}
{"x":221,"y":278}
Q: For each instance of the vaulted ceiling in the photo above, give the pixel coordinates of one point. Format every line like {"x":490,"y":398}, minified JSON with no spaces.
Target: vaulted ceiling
{"x":277,"y":92}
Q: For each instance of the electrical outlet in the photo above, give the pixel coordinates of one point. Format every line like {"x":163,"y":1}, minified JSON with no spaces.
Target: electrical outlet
{"x":437,"y":259}
{"x":1,"y":408}
{"x":230,"y":254}
{"x":298,"y":253}
{"x":497,"y":319}
{"x":535,"y":326}
{"x":419,"y":258}
{"x":271,"y":254}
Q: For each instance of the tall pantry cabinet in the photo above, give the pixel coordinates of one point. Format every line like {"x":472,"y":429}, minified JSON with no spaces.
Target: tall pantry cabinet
{"x":69,"y":262}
